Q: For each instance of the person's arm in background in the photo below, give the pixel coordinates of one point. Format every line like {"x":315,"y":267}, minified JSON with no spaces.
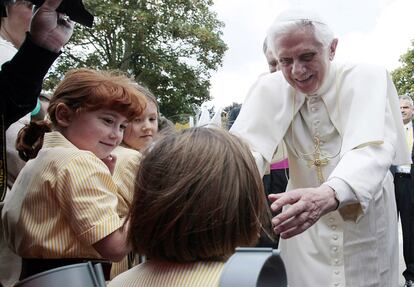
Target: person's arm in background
{"x":21,"y":78}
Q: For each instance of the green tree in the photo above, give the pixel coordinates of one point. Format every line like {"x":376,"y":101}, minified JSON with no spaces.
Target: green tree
{"x":403,"y":76}
{"x":169,"y":46}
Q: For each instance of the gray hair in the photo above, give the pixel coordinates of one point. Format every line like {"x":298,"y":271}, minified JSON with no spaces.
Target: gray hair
{"x":265,"y":46}
{"x":408,"y":98}
{"x":296,"y":19}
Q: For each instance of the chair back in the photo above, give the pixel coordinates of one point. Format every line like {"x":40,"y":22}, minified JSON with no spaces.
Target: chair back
{"x":251,"y":267}
{"x":79,"y":275}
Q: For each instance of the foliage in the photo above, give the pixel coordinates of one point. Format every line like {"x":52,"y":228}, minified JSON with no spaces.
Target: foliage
{"x":403,"y":76}
{"x":169,"y":46}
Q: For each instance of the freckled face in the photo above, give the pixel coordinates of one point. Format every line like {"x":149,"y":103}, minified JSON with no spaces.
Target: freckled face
{"x":97,"y":131}
{"x":303,"y":60}
{"x":141,"y":131}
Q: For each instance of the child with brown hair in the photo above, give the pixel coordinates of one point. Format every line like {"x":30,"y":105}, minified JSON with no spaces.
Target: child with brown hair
{"x":63,"y":206}
{"x":198,"y":196}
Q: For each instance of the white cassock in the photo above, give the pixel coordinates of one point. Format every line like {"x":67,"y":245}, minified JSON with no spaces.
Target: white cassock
{"x":356,"y":120}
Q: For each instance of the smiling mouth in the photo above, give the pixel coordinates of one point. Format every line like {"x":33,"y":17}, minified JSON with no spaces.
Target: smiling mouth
{"x":107,"y":144}
{"x":304,"y":80}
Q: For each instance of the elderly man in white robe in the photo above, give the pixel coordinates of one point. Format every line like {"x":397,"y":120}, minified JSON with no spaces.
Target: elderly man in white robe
{"x":342,"y":126}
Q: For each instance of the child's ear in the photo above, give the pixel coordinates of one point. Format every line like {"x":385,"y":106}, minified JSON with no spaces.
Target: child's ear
{"x":63,"y":115}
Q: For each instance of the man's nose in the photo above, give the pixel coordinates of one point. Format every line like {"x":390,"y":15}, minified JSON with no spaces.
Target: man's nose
{"x":298,"y":68}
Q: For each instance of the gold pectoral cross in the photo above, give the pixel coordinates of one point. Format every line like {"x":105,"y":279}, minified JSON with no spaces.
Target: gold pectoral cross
{"x":317,"y":161}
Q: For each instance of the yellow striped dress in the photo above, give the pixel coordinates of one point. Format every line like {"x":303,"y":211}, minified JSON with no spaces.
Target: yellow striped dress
{"x":62,"y":202}
{"x":126,"y":168}
{"x":167,"y":274}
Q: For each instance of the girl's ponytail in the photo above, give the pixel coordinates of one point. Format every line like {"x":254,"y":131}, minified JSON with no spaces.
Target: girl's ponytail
{"x":30,"y":139}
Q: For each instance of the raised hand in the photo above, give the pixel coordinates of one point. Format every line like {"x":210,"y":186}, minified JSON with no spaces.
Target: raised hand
{"x":50,"y":29}
{"x":110,"y":162}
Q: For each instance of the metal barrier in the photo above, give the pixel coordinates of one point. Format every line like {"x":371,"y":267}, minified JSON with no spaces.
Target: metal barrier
{"x":79,"y":275}
{"x":250,"y":267}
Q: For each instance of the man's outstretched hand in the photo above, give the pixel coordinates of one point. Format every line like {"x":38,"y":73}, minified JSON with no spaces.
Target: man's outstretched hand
{"x":307,"y":205}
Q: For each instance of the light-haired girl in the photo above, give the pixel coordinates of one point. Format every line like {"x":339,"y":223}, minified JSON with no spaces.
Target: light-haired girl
{"x":143,"y":129}
{"x":63,"y":205}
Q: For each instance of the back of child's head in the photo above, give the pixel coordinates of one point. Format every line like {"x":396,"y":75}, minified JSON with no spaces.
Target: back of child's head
{"x":84,"y":90}
{"x":198,"y":196}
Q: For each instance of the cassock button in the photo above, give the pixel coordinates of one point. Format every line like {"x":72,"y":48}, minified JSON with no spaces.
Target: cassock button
{"x":336,"y":272}
{"x":334,"y":248}
{"x":333,"y":227}
{"x":336,"y":261}
{"x":331,"y":219}
{"x":336,"y":284}
{"x":335,"y":237}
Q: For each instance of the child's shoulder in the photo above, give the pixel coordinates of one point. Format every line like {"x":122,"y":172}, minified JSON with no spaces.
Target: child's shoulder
{"x":66,"y":158}
{"x":124,"y":152}
{"x":126,"y":157}
{"x":57,"y":147}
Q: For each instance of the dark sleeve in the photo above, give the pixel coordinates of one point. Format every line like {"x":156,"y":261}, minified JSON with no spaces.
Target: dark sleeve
{"x":21,"y":80}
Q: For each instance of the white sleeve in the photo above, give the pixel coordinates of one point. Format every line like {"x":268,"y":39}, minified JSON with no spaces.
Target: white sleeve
{"x":363,"y":170}
{"x":260,"y":162}
{"x":343,"y":192}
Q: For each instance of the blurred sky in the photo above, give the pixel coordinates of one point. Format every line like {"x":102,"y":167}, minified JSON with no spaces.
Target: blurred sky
{"x":375,"y":31}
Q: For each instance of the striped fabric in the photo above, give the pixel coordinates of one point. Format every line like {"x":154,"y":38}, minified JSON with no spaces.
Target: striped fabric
{"x":62,"y":202}
{"x":127,"y":163}
{"x":163,"y":274}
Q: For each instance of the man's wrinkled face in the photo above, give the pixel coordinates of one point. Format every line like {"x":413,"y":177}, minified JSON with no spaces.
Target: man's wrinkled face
{"x":406,"y":110}
{"x":303,"y":60}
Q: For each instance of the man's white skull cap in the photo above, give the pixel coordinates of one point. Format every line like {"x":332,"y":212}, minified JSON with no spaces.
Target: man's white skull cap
{"x":299,"y":14}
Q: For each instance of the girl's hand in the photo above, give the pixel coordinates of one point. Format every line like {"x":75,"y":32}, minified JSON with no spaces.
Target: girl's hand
{"x":110,"y":162}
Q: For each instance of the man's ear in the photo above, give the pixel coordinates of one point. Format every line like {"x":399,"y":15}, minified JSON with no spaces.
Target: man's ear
{"x":63,"y":115}
{"x":332,"y":49}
